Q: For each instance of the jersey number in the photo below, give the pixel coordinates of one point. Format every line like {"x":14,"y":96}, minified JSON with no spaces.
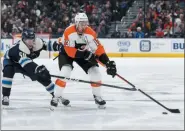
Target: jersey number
{"x":97,"y":42}
{"x":21,"y":54}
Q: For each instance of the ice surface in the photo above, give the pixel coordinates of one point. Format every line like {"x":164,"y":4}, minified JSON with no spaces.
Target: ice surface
{"x":163,"y":79}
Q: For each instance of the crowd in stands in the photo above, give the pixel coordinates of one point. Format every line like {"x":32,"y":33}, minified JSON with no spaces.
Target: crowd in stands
{"x":162,"y":19}
{"x":53,"y":16}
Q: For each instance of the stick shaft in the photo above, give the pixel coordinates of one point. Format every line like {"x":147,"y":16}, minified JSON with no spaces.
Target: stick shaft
{"x":56,"y":57}
{"x":118,"y":75}
{"x":90,"y":82}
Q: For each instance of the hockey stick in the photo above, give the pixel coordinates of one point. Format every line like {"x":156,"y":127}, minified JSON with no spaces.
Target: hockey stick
{"x":170,"y":110}
{"x":56,"y":57}
{"x":90,"y":82}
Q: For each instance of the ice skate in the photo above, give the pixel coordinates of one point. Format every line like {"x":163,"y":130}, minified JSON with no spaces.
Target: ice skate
{"x":64,"y":101}
{"x":100,"y":102}
{"x":54,"y":103}
{"x":5,"y":101}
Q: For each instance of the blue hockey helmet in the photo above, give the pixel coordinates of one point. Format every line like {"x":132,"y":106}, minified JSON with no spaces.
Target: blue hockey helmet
{"x":28,"y":34}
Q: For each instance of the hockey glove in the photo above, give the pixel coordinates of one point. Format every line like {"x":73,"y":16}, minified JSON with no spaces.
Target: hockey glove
{"x":58,"y":47}
{"x":61,"y":48}
{"x":42,"y":72}
{"x":89,"y":56}
{"x":111,"y":68}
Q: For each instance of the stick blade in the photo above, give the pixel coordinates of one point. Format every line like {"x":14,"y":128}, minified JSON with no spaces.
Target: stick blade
{"x":174,"y":110}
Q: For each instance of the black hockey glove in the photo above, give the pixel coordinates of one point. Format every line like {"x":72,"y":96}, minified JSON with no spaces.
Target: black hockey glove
{"x":111,"y":68}
{"x":58,"y":47}
{"x":61,"y":48}
{"x":89,"y":56}
{"x":42,"y":72}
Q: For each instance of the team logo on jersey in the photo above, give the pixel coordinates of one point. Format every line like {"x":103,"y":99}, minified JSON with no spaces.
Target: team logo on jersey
{"x":83,"y":47}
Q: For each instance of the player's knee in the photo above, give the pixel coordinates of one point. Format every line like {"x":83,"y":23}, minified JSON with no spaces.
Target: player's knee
{"x":8,"y":71}
{"x":33,"y":78}
{"x":95,"y":75}
{"x":66,"y":70}
{"x":42,"y":73}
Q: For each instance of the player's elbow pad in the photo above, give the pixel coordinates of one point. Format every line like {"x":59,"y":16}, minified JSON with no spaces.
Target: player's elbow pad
{"x":30,"y":68}
{"x":103,"y":58}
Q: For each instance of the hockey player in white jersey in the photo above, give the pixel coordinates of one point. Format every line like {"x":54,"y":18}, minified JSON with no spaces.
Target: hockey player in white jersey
{"x":80,"y":45}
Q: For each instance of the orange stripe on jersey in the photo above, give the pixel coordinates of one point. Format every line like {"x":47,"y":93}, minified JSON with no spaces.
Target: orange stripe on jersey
{"x":60,"y":83}
{"x":71,"y":29}
{"x":96,"y":85}
{"x":100,"y":50}
{"x":71,"y":51}
{"x":90,"y":31}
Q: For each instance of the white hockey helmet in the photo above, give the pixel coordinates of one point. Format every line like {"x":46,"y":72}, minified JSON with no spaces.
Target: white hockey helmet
{"x":81,"y":17}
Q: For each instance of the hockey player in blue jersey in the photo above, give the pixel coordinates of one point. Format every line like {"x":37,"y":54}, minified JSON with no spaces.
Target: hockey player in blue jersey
{"x":19,"y":59}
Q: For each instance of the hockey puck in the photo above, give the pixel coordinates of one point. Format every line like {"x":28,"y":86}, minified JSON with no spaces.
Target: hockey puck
{"x":165,"y":113}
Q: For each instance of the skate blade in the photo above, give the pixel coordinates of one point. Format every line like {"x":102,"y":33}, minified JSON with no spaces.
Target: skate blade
{"x":67,"y":105}
{"x":5,"y":106}
{"x":101,"y":106}
{"x":52,"y":108}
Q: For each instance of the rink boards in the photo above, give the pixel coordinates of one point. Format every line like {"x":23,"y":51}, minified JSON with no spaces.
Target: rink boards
{"x":167,"y":48}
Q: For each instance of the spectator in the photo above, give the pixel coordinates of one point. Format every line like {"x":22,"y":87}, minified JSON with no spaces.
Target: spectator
{"x":129,"y":34}
{"x":59,"y":32}
{"x":54,"y":16}
{"x":117,"y":12}
{"x":124,"y":7}
{"x":3,"y":7}
{"x":159,"y":15}
{"x":159,"y":33}
{"x":139,"y":33}
{"x":116,"y":34}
